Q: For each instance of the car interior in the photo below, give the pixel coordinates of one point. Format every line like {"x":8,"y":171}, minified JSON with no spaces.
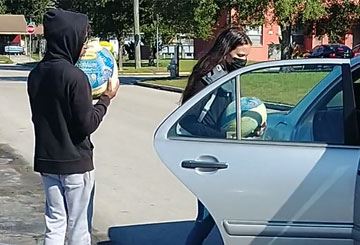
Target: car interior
{"x":322,"y":122}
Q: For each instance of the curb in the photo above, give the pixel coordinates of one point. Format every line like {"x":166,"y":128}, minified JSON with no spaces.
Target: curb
{"x":143,"y":74}
{"x":166,"y":88}
{"x":25,"y":64}
{"x":154,"y":74}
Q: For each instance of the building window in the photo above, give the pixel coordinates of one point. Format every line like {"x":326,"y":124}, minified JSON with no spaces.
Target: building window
{"x":255,"y":34}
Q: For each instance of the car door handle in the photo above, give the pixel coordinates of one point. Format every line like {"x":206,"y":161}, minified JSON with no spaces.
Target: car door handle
{"x":203,"y":164}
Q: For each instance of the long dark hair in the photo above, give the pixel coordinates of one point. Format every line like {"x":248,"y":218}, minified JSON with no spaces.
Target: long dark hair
{"x":227,"y":41}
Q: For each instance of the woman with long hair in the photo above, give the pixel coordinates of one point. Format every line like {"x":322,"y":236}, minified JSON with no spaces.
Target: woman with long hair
{"x":228,"y":53}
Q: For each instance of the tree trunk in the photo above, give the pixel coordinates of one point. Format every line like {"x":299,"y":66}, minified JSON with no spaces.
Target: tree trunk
{"x":286,"y":47}
{"x":120,"y":54}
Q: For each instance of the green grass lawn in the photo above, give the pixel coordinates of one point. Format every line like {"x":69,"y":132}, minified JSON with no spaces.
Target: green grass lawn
{"x":5,"y":60}
{"x":143,"y":69}
{"x":129,"y":66}
{"x":284,"y":88}
{"x":35,"y":57}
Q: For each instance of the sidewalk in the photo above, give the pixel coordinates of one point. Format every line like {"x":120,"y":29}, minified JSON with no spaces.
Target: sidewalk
{"x":21,"y":59}
{"x":153,"y":73}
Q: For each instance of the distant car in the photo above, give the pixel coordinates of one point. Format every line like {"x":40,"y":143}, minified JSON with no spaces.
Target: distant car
{"x":296,"y":183}
{"x":356,"y":50}
{"x":331,"y":51}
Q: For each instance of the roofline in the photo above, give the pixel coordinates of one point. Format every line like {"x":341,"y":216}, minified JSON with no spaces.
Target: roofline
{"x":13,"y":33}
{"x":13,"y":15}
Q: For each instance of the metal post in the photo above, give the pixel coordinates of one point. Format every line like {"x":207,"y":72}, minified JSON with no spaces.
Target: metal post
{"x":40,"y":49}
{"x":157,"y":41}
{"x":30,"y":48}
{"x":30,"y":42}
{"x":177,"y":60}
{"x":137,"y":35}
{"x":9,"y":49}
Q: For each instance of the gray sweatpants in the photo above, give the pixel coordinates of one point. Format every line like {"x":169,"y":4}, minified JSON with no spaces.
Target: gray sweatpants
{"x":68,"y":208}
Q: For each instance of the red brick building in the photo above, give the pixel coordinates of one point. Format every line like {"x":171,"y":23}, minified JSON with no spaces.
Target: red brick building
{"x":265,"y":39}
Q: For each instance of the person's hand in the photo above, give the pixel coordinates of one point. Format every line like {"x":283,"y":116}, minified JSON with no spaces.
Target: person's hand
{"x":110,"y":91}
{"x":261,"y":130}
{"x":231,"y":134}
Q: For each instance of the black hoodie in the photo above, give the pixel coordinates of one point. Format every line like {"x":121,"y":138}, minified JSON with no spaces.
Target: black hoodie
{"x":60,"y":99}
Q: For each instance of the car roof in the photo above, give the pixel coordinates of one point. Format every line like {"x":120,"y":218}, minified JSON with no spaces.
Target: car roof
{"x":331,"y":45}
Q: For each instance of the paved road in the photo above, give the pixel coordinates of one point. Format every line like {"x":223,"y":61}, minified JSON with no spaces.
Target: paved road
{"x":135,"y":193}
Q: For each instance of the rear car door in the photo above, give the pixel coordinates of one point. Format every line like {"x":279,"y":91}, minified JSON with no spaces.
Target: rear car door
{"x":293,"y":181}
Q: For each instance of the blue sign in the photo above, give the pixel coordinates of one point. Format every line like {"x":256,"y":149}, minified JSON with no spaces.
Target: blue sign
{"x":14,"y":49}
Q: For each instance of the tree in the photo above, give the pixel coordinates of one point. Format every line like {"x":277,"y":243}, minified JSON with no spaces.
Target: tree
{"x":108,"y":18}
{"x":188,"y":16}
{"x":328,"y":17}
{"x":113,"y":18}
{"x":2,"y":7}
{"x":201,"y":16}
{"x":31,"y":9}
{"x":339,"y":18}
{"x":286,"y":13}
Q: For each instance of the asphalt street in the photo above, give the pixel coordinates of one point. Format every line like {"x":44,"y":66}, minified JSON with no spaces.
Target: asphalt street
{"x":135,"y":192}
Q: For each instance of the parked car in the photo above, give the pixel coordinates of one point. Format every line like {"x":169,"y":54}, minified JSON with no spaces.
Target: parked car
{"x":297,"y":182}
{"x":331,"y":51}
{"x":356,"y":50}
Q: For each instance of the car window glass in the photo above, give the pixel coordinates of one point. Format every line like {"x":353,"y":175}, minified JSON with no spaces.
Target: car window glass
{"x":281,"y":104}
{"x":300,"y":103}
{"x":206,"y":120}
{"x":356,"y":81}
{"x":336,"y":101}
{"x":284,"y":86}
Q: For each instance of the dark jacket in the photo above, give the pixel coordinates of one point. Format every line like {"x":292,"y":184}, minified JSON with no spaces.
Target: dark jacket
{"x":210,"y":125}
{"x":60,"y":99}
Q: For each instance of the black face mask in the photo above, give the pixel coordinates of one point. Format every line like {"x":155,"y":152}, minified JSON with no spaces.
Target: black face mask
{"x":236,"y":63}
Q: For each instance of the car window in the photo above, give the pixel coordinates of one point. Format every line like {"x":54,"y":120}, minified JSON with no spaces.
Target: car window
{"x":283,"y":86}
{"x":356,"y":81}
{"x":300,"y":103}
{"x":205,"y":119}
{"x":281,"y":104}
{"x":336,"y":101}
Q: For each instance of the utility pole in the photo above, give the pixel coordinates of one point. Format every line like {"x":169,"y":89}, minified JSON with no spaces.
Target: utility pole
{"x":30,"y":42}
{"x":137,"y":35}
{"x":157,"y":42}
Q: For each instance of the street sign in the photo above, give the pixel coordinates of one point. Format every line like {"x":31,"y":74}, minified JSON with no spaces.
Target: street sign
{"x":30,"y":29}
{"x":14,"y":49}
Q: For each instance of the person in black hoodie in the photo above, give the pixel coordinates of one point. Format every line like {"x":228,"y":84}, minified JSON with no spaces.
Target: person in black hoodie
{"x":64,"y":117}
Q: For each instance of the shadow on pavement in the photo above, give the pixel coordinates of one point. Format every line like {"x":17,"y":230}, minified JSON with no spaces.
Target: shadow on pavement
{"x":174,"y":233}
{"x":16,"y":67}
{"x":14,"y":78}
